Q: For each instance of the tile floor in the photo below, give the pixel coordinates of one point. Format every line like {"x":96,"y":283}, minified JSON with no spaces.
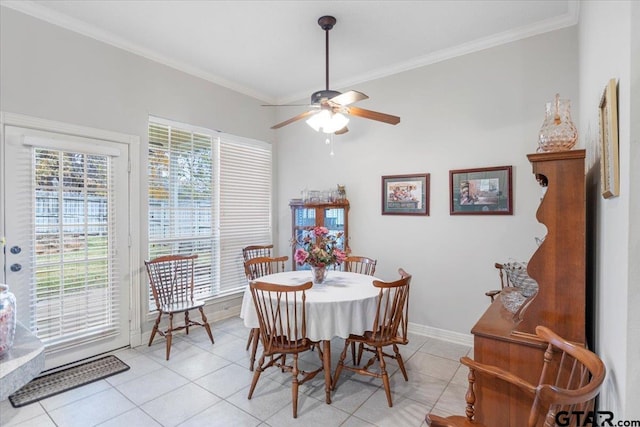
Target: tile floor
{"x":207,"y":385}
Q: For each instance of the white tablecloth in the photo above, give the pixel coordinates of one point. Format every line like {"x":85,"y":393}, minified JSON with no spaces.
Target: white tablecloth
{"x":344,"y":304}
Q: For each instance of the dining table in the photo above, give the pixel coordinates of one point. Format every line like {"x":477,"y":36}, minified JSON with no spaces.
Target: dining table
{"x":344,"y":303}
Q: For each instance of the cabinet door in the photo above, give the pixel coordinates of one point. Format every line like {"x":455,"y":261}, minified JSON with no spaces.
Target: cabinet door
{"x":334,"y":220}
{"x":302,"y":219}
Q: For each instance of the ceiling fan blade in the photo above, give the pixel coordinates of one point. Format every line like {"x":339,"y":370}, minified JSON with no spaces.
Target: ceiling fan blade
{"x":374,"y":115}
{"x":286,"y":105}
{"x":295,"y":119}
{"x":342,"y":131}
{"x":349,"y":97}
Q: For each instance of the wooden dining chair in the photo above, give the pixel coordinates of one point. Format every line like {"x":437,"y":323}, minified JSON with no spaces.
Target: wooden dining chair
{"x":249,"y":252}
{"x":255,"y":251}
{"x":388,"y":330}
{"x":570,"y":379}
{"x":171,"y":281}
{"x":360,"y":264}
{"x":281,"y":311}
{"x":504,"y":282}
{"x":254,"y":269}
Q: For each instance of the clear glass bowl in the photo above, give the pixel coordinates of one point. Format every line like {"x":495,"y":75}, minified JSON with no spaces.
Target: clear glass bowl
{"x":512,"y":299}
{"x":517,"y":273}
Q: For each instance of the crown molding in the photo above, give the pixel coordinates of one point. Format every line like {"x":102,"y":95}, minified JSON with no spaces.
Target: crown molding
{"x":30,"y":8}
{"x":37,"y":11}
{"x":567,"y":20}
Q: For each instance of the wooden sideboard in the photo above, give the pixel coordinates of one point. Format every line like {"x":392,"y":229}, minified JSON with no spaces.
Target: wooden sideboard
{"x":507,"y":340}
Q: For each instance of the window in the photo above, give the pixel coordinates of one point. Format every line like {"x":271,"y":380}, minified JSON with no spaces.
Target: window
{"x":209,"y":194}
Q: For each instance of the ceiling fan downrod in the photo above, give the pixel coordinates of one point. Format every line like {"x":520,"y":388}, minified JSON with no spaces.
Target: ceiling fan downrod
{"x":326,"y":23}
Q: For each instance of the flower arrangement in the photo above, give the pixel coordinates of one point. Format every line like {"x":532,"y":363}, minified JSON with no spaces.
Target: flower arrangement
{"x":319,"y":248}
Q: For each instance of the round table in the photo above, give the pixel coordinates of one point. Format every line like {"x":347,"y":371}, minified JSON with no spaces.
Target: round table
{"x":345,"y":303}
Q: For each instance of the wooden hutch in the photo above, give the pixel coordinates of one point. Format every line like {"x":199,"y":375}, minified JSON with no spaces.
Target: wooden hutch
{"x":558,"y":265}
{"x":334,"y":215}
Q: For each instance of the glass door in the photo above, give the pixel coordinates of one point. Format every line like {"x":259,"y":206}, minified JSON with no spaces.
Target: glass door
{"x":303,"y":218}
{"x":66,"y":225}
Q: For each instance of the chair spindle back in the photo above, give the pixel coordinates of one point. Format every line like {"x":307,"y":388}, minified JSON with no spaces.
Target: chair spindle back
{"x":282,"y":316}
{"x":171,"y":278}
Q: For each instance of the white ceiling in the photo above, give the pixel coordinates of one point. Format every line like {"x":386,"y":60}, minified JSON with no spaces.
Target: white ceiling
{"x":275,"y":50}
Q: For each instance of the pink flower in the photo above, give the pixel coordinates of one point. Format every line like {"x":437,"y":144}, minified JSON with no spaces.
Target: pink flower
{"x":301,"y":256}
{"x":320,"y":231}
{"x":340,"y":255}
{"x":319,"y":248}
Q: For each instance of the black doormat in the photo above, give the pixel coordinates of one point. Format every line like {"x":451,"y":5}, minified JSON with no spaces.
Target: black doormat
{"x":58,"y":382}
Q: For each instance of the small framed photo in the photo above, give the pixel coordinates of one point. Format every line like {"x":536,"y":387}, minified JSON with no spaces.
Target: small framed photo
{"x":482,"y":191}
{"x":609,"y":169}
{"x":405,"y":194}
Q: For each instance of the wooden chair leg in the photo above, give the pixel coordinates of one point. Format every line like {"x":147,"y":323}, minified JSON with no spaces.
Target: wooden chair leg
{"x":360,"y":351}
{"x":255,"y":332}
{"x":294,"y":386}
{"x":186,"y":322}
{"x":353,"y":353}
{"x":168,"y":334}
{"x":250,"y":338}
{"x":256,"y":377}
{"x":205,"y":323}
{"x":338,"y":371}
{"x":385,"y":376}
{"x":400,"y":362}
{"x":155,"y":328}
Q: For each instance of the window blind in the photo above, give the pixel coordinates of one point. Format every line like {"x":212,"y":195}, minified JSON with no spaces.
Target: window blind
{"x":209,"y":194}
{"x":75,"y":293}
{"x":245,"y":205}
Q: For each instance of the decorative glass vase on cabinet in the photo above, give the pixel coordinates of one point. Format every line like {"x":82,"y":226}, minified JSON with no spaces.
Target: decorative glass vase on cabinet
{"x":558,"y":133}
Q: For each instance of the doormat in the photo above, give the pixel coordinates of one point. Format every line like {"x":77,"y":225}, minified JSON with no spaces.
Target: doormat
{"x":58,"y":382}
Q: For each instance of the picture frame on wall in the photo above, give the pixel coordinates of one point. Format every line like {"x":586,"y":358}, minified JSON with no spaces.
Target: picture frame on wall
{"x":609,"y":168}
{"x":481,"y":191}
{"x":405,"y":194}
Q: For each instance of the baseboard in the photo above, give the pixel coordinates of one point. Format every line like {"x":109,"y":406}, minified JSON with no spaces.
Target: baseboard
{"x":442,"y":334}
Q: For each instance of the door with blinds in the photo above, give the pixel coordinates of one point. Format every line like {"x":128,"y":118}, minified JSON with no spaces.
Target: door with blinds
{"x":67,"y":252}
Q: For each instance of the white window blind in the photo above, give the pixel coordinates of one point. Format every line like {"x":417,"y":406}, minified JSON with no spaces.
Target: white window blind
{"x":75,"y":293}
{"x":245,"y":205}
{"x":209,"y":194}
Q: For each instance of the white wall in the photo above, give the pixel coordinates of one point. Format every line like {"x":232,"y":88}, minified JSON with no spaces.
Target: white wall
{"x":606,"y":42}
{"x":482,"y":109}
{"x":52,"y":73}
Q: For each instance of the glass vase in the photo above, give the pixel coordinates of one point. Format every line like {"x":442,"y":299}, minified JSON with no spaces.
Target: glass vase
{"x":7,"y":318}
{"x":558,"y":133}
{"x":319,"y":274}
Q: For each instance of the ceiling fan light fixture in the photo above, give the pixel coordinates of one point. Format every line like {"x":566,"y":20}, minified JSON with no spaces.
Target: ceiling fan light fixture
{"x":332,"y":104}
{"x":327,"y":121}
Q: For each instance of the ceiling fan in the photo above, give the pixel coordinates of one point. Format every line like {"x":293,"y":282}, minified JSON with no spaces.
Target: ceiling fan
{"x":329,"y":107}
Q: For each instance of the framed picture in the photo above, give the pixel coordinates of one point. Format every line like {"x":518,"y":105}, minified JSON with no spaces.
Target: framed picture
{"x":483,"y":191}
{"x":405,"y":194}
{"x":609,"y":170}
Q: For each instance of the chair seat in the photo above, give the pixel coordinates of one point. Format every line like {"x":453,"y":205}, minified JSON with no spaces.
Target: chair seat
{"x":282,"y":345}
{"x":181,"y":306}
{"x":368,"y":337}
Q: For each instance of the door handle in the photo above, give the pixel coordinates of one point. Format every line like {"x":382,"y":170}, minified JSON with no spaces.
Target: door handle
{"x":16,"y":267}
{"x":15,"y":250}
